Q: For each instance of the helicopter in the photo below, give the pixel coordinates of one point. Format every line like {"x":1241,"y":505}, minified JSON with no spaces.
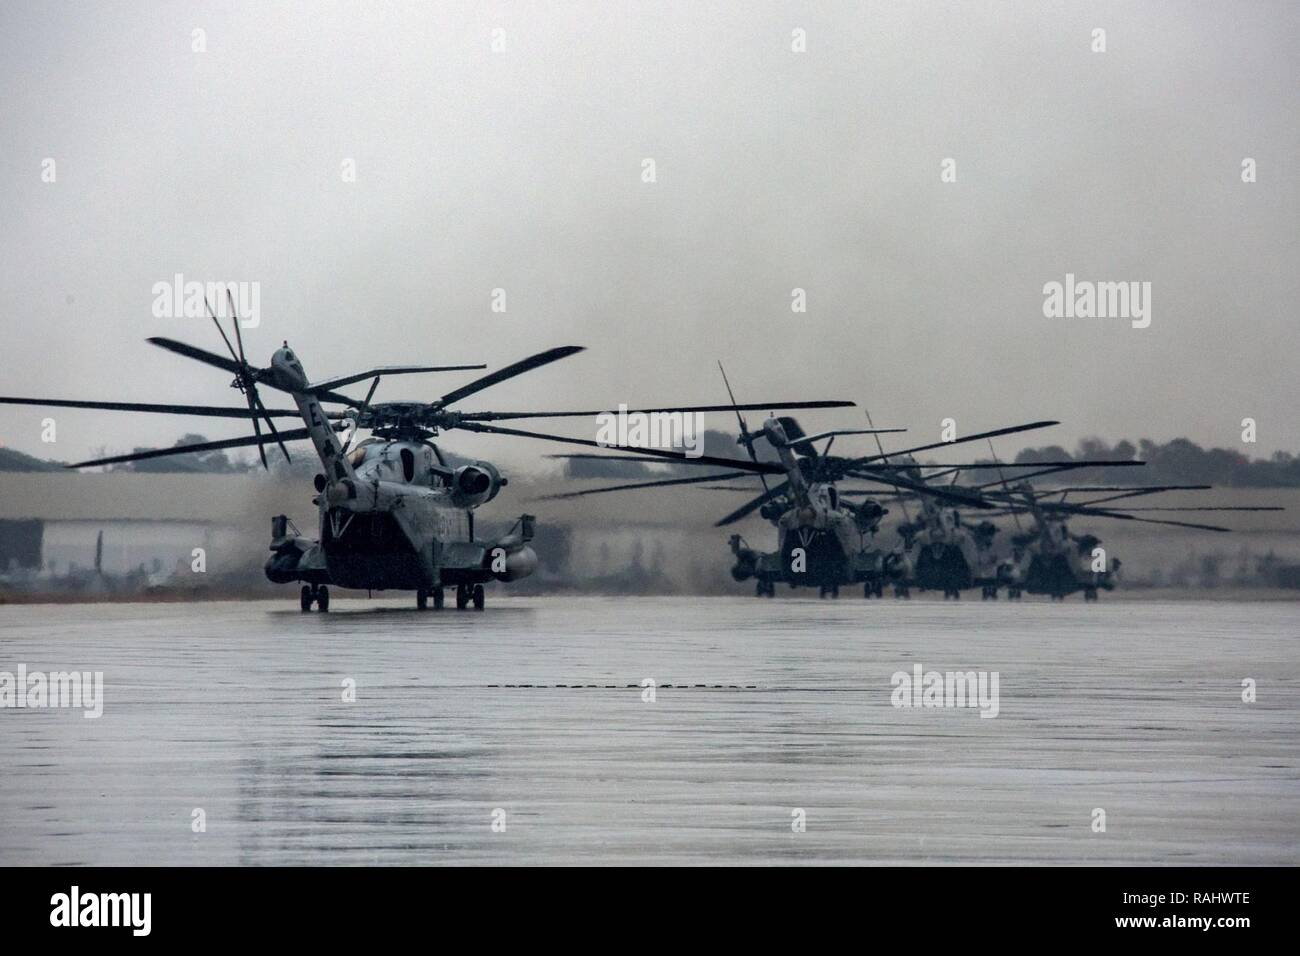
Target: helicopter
{"x":1049,"y":559}
{"x":823,"y":540}
{"x":392,"y":512}
{"x":941,"y":551}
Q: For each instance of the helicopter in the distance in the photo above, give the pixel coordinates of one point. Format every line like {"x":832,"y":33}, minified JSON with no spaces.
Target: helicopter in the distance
{"x":1048,"y":558}
{"x":824,"y":541}
{"x":939,"y":550}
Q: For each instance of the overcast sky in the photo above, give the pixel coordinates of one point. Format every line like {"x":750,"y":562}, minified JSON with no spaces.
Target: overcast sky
{"x":522,"y":170}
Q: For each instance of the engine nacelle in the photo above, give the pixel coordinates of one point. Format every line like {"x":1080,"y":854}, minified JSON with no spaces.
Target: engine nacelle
{"x":476,"y":484}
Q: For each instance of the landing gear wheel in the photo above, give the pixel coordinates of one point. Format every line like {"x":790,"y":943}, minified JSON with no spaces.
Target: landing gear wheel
{"x":438,"y":598}
{"x":462,"y":597}
{"x":902,"y":591}
{"x":306,"y":598}
{"x":421,"y":598}
{"x":868,"y":591}
{"x":1090,"y":594}
{"x":480,"y":597}
{"x":323,"y":599}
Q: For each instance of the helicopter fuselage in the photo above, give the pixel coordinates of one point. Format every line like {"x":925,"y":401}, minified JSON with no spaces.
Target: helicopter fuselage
{"x":391,"y":513}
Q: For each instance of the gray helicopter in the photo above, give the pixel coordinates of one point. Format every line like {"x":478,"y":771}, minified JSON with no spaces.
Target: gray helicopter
{"x":939,"y":550}
{"x":823,"y":540}
{"x":1048,"y":558}
{"x":393,"y":514}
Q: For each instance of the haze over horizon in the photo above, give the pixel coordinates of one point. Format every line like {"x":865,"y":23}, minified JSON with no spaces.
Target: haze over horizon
{"x":522,"y":170}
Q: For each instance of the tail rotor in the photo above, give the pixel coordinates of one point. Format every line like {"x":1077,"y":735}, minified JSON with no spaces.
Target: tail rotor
{"x":246,"y":381}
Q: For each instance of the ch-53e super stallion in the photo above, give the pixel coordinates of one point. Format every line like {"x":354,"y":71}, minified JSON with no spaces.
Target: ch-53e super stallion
{"x":941,"y":551}
{"x":824,"y":541}
{"x":393,"y":514}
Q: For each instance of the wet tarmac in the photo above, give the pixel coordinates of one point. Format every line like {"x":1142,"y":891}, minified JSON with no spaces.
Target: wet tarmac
{"x":527,"y":733}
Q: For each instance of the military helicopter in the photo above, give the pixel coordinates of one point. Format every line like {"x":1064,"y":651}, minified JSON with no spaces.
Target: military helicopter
{"x":824,"y":540}
{"x":940,"y":551}
{"x":393,"y":514}
{"x":1049,"y":559}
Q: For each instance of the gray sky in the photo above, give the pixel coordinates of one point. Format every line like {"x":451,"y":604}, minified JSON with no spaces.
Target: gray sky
{"x":522,"y":170}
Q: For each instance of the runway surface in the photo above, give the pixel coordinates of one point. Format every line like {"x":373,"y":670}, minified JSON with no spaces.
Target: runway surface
{"x":775,"y":707}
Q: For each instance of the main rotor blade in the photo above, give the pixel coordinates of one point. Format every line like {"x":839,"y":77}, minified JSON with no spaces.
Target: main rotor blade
{"x":294,"y":435}
{"x":1174,"y":524}
{"x":1062,"y":465}
{"x":641,"y":458}
{"x":1033,"y":474}
{"x":840,"y":431}
{"x":1081,"y":489}
{"x":199,"y":355}
{"x":753,"y":505}
{"x":1209,"y":508}
{"x":510,"y":371}
{"x":647,"y":484}
{"x":502,"y":416}
{"x":210,"y":411}
{"x":945,"y":495}
{"x":340,"y":381}
{"x":1122,"y":516}
{"x":1143,"y":492}
{"x":980,"y":436}
{"x":1058,"y":465}
{"x":737,"y":463}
